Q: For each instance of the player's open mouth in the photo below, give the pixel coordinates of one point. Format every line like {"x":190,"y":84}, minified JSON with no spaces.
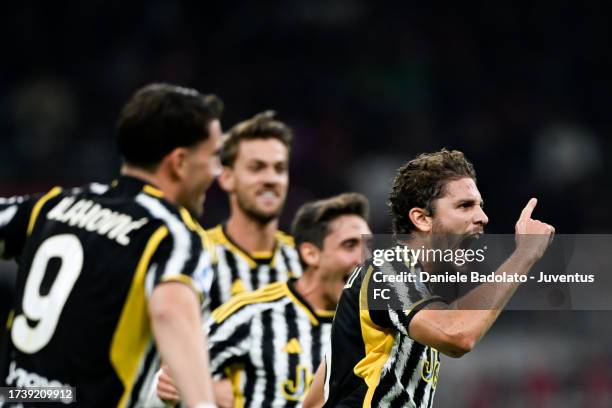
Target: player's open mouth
{"x":268,"y":194}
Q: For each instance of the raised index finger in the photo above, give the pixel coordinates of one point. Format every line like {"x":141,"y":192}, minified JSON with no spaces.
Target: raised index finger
{"x":526,"y":213}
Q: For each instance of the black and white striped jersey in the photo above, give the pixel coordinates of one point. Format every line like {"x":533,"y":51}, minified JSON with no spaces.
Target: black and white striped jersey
{"x":88,"y":261}
{"x":269,"y":343}
{"x":237,"y":271}
{"x":373,"y":360}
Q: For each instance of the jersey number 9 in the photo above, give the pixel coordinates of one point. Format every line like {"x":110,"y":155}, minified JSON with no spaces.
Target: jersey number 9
{"x":45,"y":310}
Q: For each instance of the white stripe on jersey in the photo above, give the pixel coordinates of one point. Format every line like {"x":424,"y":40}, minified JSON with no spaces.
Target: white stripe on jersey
{"x":256,"y":358}
{"x":254,"y":351}
{"x":416,"y":376}
{"x":244,"y":272}
{"x":402,"y":358}
{"x":150,"y":280}
{"x":226,"y":330}
{"x":295,"y":267}
{"x":325,"y":345}
{"x":12,"y":200}
{"x":263,"y":275}
{"x":180,"y":235}
{"x":98,"y":188}
{"x":396,"y":322}
{"x":305,"y":339}
{"x":328,"y":369}
{"x":7,"y":215}
{"x":281,"y":364}
{"x":148,"y":372}
{"x":229,"y":352}
{"x":203,"y":274}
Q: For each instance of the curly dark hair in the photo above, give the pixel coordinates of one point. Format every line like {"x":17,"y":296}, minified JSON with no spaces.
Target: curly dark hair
{"x":421,"y":181}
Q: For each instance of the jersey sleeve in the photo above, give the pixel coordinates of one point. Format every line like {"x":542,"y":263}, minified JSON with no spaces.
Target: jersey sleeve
{"x":15,"y":214}
{"x":391,"y":304}
{"x":229,"y":340}
{"x":179,"y":257}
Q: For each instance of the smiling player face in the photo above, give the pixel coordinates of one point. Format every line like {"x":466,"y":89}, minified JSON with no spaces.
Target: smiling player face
{"x":259,"y":178}
{"x":342,"y":251}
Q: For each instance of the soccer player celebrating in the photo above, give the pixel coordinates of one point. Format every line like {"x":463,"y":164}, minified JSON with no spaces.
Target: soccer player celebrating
{"x":382,"y":356}
{"x":269,"y":342}
{"x":102,"y":268}
{"x":251,"y":251}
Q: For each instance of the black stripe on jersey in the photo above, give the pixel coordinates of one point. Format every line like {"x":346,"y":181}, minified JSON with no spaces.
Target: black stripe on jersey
{"x":215,"y":288}
{"x":254,"y":275}
{"x":401,"y":401}
{"x":240,"y":332}
{"x":250,"y":377}
{"x":431,"y":395}
{"x":315,"y":333}
{"x":231,"y":264}
{"x":413,"y":293}
{"x":287,"y":262}
{"x":142,"y":376}
{"x":273,"y":273}
{"x":292,"y":333}
{"x":412,"y":365}
{"x":418,"y":393}
{"x":268,"y":358}
{"x":387,"y":382}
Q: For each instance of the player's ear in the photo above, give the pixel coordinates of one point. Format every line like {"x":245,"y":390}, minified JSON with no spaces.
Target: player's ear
{"x":177,"y":161}
{"x":310,"y":253}
{"x":421,"y":219}
{"x":226,"y":179}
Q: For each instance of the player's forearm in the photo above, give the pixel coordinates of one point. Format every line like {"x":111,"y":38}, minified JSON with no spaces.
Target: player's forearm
{"x":176,"y":323}
{"x":316,"y":395}
{"x":494,"y":296}
{"x":476,"y":312}
{"x":456,"y":328}
{"x":480,"y":308}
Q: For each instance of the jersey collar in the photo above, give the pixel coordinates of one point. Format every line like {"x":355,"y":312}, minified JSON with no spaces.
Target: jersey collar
{"x":135,"y":185}
{"x":257,"y":257}
{"x":323,"y":316}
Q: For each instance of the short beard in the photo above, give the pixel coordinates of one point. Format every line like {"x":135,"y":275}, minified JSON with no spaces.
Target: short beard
{"x":445,"y":239}
{"x":260,"y":217}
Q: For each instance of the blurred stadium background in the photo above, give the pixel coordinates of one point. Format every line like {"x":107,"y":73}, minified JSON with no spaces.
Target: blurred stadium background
{"x":523,"y":90}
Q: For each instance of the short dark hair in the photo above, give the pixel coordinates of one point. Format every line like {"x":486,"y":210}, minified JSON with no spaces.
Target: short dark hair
{"x":261,"y":126}
{"x":421,"y":181}
{"x":311,"y":222}
{"x":161,"y":117}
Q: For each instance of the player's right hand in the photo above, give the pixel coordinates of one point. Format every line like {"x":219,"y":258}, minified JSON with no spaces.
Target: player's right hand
{"x":532,"y":236}
{"x":224,"y":393}
{"x":166,"y":390}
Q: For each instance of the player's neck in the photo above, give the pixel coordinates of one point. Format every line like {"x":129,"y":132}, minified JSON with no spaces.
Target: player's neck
{"x":251,"y":235}
{"x":309,"y":287}
{"x":153,"y":179}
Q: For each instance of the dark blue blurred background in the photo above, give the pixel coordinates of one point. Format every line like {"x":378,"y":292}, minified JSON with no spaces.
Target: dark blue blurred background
{"x":524,"y":91}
